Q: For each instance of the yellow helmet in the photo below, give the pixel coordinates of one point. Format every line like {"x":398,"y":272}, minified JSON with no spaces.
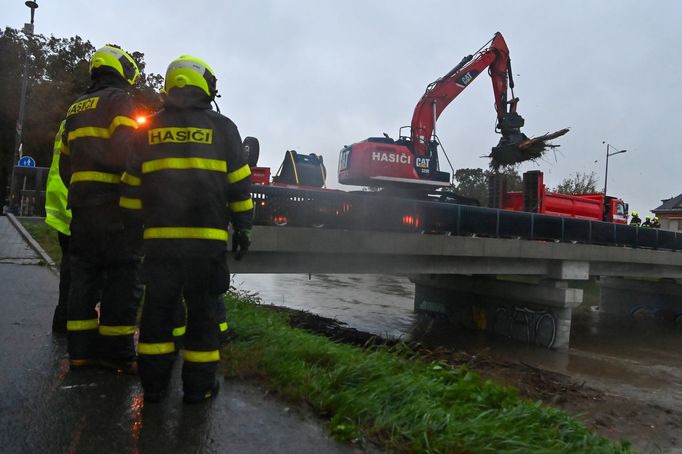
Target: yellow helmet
{"x":116,"y":59}
{"x":647,"y":217}
{"x":193,"y":72}
{"x":634,"y":213}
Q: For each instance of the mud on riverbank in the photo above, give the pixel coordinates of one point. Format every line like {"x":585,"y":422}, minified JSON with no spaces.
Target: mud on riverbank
{"x":649,"y":427}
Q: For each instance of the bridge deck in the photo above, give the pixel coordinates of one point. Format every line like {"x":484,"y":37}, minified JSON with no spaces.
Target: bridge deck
{"x":309,"y":250}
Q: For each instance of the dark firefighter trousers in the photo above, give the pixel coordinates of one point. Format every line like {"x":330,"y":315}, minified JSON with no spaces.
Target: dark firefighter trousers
{"x":59,"y":317}
{"x":201,"y":282}
{"x":105,"y":264}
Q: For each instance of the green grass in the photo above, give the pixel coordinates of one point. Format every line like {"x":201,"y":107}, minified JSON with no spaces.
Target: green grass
{"x":390,"y":397}
{"x":46,"y":237}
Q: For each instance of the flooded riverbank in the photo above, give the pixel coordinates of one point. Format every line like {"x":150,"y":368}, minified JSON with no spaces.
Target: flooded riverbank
{"x":637,"y":363}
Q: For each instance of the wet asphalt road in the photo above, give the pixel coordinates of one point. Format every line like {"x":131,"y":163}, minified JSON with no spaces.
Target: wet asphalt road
{"x":44,"y":408}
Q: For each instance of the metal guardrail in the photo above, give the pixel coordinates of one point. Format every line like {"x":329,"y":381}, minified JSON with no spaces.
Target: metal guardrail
{"x":296,"y":207}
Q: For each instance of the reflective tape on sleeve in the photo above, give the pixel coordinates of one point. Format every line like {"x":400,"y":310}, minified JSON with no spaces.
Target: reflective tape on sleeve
{"x":243,"y":205}
{"x":82,"y":325}
{"x":239,"y":174}
{"x":163,"y":348}
{"x":130,"y":180}
{"x":130,"y":203}
{"x":223,"y":327}
{"x":179,"y":331}
{"x":123,"y":330}
{"x":194,"y":356}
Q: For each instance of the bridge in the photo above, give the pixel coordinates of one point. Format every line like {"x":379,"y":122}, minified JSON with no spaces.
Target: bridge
{"x":522,"y":289}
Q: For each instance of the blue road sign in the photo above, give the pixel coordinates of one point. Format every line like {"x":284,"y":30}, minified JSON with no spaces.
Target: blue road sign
{"x":27,"y":161}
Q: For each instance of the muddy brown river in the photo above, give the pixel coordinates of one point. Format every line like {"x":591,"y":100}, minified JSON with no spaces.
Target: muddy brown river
{"x":640,"y":359}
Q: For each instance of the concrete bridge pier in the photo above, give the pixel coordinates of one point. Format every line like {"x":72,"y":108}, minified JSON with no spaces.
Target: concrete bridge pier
{"x":532,"y":312}
{"x":660,"y":298}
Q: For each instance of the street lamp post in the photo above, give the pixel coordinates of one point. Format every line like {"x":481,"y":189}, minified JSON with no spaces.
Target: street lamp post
{"x":606,"y":176}
{"x":28,"y":31}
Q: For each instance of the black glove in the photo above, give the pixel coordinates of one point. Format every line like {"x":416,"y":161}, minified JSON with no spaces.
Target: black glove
{"x":241,"y":240}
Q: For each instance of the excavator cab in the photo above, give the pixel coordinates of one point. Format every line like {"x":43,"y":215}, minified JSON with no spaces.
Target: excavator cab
{"x":302,"y":170}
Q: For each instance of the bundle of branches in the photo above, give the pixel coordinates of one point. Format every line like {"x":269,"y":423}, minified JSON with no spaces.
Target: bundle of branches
{"x":523,"y":149}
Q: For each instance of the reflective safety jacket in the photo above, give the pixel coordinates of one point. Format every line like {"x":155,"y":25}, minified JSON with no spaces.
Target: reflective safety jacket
{"x":57,"y":215}
{"x":97,"y":140}
{"x":187,"y":179}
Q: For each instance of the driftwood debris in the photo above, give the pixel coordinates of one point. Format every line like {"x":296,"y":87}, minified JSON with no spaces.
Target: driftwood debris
{"x":526,"y":149}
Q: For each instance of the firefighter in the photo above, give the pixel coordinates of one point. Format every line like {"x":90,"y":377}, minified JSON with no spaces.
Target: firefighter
{"x":656,"y":223}
{"x":647,"y":221}
{"x":635,"y":220}
{"x":58,"y":216}
{"x":97,"y":139}
{"x":186,"y":180}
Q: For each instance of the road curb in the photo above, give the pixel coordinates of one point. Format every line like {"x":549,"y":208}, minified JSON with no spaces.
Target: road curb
{"x":33,"y":243}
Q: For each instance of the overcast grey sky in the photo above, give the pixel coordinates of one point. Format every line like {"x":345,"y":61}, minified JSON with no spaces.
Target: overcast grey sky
{"x":316,"y":75}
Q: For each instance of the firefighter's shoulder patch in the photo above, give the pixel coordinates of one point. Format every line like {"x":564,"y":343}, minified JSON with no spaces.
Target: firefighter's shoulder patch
{"x":80,"y":106}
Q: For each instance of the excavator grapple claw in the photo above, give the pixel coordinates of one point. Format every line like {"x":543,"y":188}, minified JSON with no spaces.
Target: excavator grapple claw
{"x":517,"y":147}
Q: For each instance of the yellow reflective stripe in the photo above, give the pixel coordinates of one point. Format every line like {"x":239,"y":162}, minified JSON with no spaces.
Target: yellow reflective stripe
{"x":239,"y":174}
{"x":201,"y":357}
{"x":100,"y":177}
{"x":244,"y":205}
{"x":102,"y":133}
{"x":82,"y":325}
{"x":88,"y":131}
{"x":195,"y":233}
{"x":106,"y":330}
{"x":179,"y":331}
{"x":130,"y":180}
{"x":223,"y":327}
{"x":183,"y":164}
{"x":130,"y":203}
{"x":122,"y":121}
{"x":162,"y":348}
{"x":65,"y":149}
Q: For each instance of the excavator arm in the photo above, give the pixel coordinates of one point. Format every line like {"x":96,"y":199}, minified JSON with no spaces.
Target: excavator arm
{"x":439,"y":94}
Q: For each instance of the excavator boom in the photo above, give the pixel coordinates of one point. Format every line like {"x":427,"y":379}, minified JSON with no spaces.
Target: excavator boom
{"x":440,"y":93}
{"x":413,"y":161}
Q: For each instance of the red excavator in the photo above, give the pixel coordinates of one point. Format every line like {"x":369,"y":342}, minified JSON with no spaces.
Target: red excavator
{"x":413,"y":161}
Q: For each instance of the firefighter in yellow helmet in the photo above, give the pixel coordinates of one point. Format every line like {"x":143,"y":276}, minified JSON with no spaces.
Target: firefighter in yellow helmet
{"x":655,"y":222}
{"x":186,"y":180}
{"x":647,"y":221}
{"x":58,"y":216}
{"x":96,"y":141}
{"x":635,"y":219}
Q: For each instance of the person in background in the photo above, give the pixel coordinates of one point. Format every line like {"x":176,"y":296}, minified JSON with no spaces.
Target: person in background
{"x":187,"y":179}
{"x":647,"y":221}
{"x":58,"y":216}
{"x":656,"y":223}
{"x":635,"y":220}
{"x":96,"y":141}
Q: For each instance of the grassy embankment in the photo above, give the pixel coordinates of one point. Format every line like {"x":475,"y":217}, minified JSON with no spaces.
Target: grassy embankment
{"x":45,"y":235}
{"x":387,"y":396}
{"x":391,"y":397}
